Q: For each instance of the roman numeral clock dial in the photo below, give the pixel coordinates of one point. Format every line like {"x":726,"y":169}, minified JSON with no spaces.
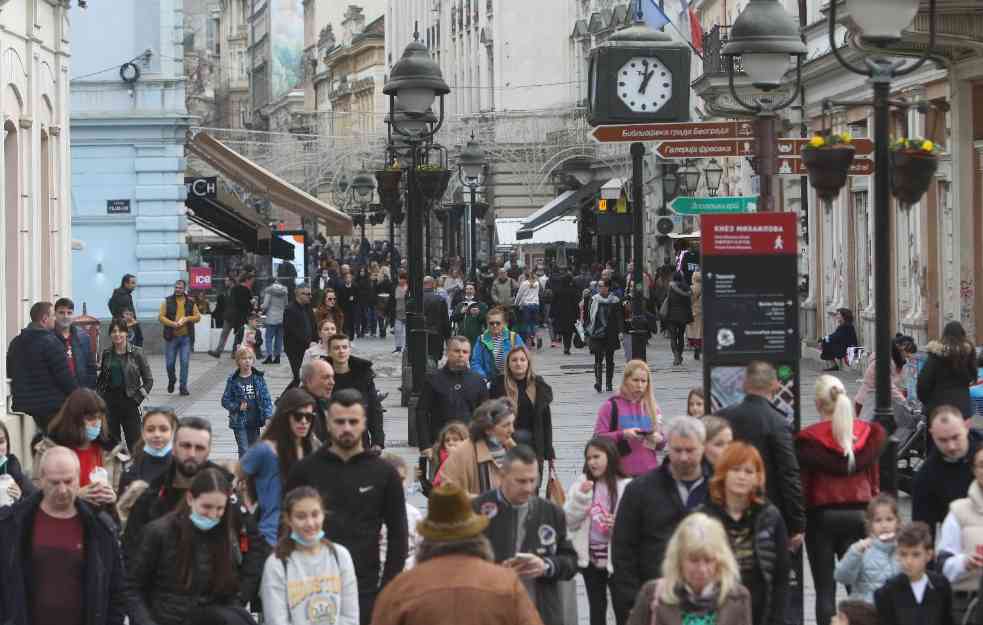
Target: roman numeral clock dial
{"x":644,"y":84}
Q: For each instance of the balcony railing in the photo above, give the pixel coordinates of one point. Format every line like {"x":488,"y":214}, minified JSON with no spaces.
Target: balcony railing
{"x":713,"y":42}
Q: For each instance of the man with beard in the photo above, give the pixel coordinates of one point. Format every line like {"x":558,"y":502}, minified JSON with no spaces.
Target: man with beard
{"x":122,"y":296}
{"x":364,"y":492}
{"x":352,"y":372}
{"x":78,"y":345}
{"x":191,"y":448}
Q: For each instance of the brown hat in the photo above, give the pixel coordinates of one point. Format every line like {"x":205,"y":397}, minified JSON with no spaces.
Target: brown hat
{"x":450,"y":517}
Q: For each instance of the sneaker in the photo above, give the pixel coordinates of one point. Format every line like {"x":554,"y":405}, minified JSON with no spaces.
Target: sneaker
{"x":276,"y":360}
{"x":170,"y":387}
{"x":610,"y":389}
{"x":185,"y":391}
{"x":268,"y":361}
{"x":597,"y":387}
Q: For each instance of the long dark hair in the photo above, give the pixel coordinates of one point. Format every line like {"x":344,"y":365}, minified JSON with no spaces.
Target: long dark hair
{"x":901,"y":345}
{"x":223,"y":579}
{"x":280,"y":434}
{"x":68,"y":426}
{"x":284,"y":544}
{"x":614,"y":471}
{"x":847,"y":315}
{"x":956,"y":348}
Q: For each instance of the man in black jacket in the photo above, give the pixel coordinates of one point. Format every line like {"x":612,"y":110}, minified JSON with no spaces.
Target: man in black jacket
{"x":529,"y":534}
{"x":299,"y":330}
{"x":365,"y":492}
{"x":238,"y":305}
{"x":436,"y":320}
{"x":948,"y":470}
{"x":347,"y":294}
{"x":78,"y":345}
{"x":756,"y":421}
{"x":61,"y":559}
{"x":351,"y":372}
{"x":652,"y":507}
{"x":122,"y":297}
{"x":449,"y":394}
{"x":38,"y":368}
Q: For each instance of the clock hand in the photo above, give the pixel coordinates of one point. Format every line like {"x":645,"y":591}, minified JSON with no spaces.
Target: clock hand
{"x":645,"y":81}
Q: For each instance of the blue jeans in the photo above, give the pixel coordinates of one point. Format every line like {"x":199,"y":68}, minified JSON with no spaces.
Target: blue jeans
{"x":530,"y":315}
{"x":246,"y":436}
{"x":368,"y":319}
{"x":177,"y":345}
{"x":274,"y":339}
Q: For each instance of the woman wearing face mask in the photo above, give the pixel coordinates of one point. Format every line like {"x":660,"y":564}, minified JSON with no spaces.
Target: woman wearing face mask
{"x":153,"y":453}
{"x":304,"y":558}
{"x":287,"y":440}
{"x":189,"y":560}
{"x":13,"y":483}
{"x":531,"y":396}
{"x":700,"y":581}
{"x":124,"y":381}
{"x":80,"y":425}
{"x":326,"y":329}
{"x":755,"y":530}
{"x":475,"y":465}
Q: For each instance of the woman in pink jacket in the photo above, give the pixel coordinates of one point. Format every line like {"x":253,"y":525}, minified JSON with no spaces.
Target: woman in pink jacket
{"x":632,"y":419}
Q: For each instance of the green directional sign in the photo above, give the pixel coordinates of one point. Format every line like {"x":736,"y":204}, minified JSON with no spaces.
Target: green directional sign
{"x":683,"y":205}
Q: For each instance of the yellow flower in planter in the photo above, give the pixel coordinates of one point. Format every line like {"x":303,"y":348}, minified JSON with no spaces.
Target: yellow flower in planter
{"x":927,"y":145}
{"x":846,"y":137}
{"x":816,"y":142}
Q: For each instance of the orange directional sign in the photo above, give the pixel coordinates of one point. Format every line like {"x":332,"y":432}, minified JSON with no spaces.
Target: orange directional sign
{"x":792,"y":146}
{"x":684,"y":131}
{"x":795,"y":167}
{"x":704,"y":149}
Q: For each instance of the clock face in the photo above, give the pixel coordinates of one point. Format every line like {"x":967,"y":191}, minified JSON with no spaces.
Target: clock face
{"x":644,"y":84}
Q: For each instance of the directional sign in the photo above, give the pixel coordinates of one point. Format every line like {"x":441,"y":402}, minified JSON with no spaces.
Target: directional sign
{"x":684,"y":131}
{"x":795,"y":167}
{"x":683,"y":205}
{"x":792,"y":146}
{"x":704,"y":149}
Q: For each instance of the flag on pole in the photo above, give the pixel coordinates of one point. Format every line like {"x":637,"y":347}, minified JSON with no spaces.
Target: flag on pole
{"x":653,"y":15}
{"x":691,"y":26}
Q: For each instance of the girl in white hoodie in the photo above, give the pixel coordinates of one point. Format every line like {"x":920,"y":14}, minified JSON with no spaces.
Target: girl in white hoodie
{"x":591,"y":506}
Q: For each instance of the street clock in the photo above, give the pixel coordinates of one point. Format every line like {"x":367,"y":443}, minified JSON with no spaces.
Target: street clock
{"x":638,"y":75}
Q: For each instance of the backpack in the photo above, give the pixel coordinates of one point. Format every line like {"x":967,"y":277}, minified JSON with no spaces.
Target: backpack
{"x":623,"y":447}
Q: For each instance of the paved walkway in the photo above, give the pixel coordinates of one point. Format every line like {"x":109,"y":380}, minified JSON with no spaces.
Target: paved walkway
{"x":574,"y":407}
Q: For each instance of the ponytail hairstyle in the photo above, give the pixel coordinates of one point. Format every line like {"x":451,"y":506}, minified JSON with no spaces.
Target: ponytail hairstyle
{"x":831,"y":399}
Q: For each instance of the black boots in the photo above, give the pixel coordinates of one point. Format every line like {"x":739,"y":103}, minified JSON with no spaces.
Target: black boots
{"x":696,"y":353}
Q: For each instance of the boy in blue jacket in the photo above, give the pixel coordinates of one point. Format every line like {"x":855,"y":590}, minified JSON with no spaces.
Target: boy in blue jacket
{"x":247,"y":399}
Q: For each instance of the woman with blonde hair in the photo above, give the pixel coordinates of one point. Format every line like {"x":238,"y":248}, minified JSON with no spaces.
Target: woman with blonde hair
{"x":700,"y":583}
{"x":633,"y":420}
{"x":838,"y":459}
{"x":531,"y":396}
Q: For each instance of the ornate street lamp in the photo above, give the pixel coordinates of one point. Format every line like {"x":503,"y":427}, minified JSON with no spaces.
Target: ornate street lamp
{"x":767,"y":39}
{"x":363,"y":186}
{"x":714,"y":174}
{"x":471,"y":168}
{"x":688,"y":177}
{"x":880,"y":23}
{"x":414,"y":83}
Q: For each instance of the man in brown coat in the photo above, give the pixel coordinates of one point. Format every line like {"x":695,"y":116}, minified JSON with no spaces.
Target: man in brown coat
{"x":455,"y":579}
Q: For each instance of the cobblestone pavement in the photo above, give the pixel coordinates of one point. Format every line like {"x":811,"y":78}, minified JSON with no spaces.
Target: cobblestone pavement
{"x":574,"y":407}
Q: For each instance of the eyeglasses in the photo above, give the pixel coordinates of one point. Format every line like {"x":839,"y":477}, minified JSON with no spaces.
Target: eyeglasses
{"x":304,"y":416}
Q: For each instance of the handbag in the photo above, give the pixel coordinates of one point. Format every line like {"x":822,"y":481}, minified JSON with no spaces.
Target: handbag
{"x":554,"y":489}
{"x":664,"y":308}
{"x":578,"y":335}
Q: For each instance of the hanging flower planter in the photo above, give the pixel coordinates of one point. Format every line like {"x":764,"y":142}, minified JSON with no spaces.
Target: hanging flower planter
{"x":827,"y":157}
{"x":913,"y":164}
{"x":388,"y":179}
{"x":432,"y":181}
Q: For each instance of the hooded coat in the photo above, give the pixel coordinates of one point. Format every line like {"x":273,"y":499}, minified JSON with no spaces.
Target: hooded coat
{"x":822,"y":483}
{"x":680,"y":304}
{"x":275,"y":302}
{"x":943,"y":381}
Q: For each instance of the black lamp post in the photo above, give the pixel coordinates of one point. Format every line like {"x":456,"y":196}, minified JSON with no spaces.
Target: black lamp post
{"x":765,"y":36}
{"x":687,"y":179}
{"x":880,"y":24}
{"x":414,"y":83}
{"x":714,"y":174}
{"x":342,"y":185}
{"x":363,"y":185}
{"x":471,"y":172}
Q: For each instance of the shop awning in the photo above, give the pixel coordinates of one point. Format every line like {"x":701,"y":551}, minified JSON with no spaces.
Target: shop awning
{"x":217,"y":208}
{"x":243,"y":171}
{"x":562,"y":230}
{"x":561,"y":205}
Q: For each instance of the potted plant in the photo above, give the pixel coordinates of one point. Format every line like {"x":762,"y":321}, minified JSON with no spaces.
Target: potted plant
{"x":827,"y":157}
{"x":432,"y":181}
{"x":388,"y":178}
{"x":913,"y":163}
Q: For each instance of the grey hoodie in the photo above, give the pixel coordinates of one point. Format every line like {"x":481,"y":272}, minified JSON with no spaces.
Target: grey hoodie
{"x":274,"y":303}
{"x":311,"y":588}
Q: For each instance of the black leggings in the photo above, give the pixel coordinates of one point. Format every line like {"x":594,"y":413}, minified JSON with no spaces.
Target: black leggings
{"x":600,"y":358}
{"x":597,"y":581}
{"x":121,"y":411}
{"x":829,"y":533}
{"x":676,"y":332}
{"x":567,"y":338}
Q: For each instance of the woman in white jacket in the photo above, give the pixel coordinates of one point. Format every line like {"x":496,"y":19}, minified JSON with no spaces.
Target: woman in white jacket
{"x":527,"y":303}
{"x":591,"y":506}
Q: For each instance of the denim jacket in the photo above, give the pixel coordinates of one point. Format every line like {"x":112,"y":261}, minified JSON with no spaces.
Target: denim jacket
{"x":233,"y":397}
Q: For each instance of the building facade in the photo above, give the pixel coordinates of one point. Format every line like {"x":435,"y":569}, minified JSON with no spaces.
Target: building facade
{"x":128,"y":126}
{"x":34,"y":103}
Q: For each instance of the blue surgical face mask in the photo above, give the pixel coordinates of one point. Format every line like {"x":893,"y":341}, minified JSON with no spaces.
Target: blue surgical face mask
{"x":158,"y":453}
{"x":92,"y":432}
{"x":297,"y":538}
{"x":3,"y":460}
{"x":202,"y":522}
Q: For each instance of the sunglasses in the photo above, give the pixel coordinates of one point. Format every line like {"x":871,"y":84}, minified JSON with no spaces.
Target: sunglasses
{"x":303,"y":416}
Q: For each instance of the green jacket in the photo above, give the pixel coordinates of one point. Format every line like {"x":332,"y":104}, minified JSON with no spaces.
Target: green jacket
{"x":470,"y":326}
